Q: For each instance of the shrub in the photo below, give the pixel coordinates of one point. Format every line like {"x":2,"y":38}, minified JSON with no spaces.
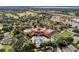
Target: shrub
{"x":65,"y":41}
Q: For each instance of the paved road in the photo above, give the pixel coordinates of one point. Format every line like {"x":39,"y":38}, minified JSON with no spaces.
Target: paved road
{"x":65,"y":49}
{"x":58,"y":50}
{"x":69,"y":48}
{"x":72,"y":48}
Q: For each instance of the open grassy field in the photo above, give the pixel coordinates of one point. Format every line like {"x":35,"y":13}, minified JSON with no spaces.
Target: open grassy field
{"x":7,"y":48}
{"x":63,"y":34}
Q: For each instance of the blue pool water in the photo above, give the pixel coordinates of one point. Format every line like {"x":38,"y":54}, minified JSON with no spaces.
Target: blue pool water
{"x":39,"y":41}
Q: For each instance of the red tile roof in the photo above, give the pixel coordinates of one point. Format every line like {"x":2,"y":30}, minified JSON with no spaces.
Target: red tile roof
{"x":40,"y":32}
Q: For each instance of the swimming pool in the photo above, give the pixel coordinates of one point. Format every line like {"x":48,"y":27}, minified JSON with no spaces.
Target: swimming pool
{"x":38,"y":41}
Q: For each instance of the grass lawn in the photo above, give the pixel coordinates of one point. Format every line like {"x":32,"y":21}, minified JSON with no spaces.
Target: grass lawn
{"x":63,"y":34}
{"x":1,"y":26}
{"x":7,"y":48}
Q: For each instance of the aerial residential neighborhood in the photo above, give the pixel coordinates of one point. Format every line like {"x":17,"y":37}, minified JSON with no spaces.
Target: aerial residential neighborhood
{"x":34,"y":29}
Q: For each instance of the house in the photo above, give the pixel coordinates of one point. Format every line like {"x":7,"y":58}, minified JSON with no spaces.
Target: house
{"x":39,"y":35}
{"x":75,"y":22}
{"x":39,"y":32}
{"x":65,"y":19}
